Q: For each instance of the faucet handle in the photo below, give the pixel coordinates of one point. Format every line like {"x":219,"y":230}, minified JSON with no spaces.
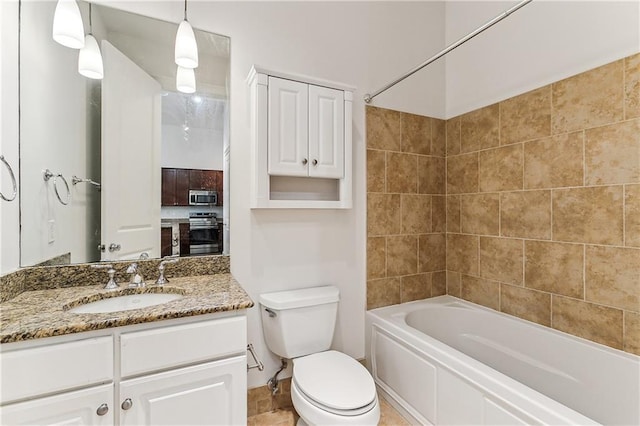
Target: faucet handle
{"x":111,"y":284}
{"x":161,"y":278}
{"x":136,"y":278}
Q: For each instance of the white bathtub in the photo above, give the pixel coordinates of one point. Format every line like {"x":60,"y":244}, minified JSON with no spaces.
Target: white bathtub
{"x":447,"y":361}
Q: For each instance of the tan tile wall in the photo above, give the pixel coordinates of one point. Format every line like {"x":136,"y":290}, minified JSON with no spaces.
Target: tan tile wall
{"x":406,"y":207}
{"x":540,"y":199}
{"x":543,"y":205}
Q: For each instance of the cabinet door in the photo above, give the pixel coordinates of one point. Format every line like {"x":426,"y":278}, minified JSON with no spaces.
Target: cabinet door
{"x":168,"y":187}
{"x":288,"y":134}
{"x":69,"y":408}
{"x":219,"y":176}
{"x":182,"y":187}
{"x":326,"y":132}
{"x":166,"y":241}
{"x":207,"y":394}
{"x":196,"y":180}
{"x":185,"y":241}
{"x":209,"y":178}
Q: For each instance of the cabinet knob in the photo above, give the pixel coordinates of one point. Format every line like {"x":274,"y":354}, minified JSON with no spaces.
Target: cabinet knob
{"x":304,"y":161}
{"x":126,"y":404}
{"x":102,"y":410}
{"x":114,"y":247}
{"x":314,"y":162}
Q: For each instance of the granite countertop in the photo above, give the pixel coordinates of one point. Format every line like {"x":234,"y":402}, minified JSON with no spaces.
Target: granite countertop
{"x":44,"y":313}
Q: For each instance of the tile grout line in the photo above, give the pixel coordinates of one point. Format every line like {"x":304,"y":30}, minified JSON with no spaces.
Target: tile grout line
{"x":624,"y":215}
{"x":584,"y":272}
{"x":624,"y":86}
{"x":584,"y":158}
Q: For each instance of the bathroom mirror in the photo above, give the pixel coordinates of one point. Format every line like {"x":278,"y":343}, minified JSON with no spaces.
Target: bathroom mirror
{"x":116,"y":148}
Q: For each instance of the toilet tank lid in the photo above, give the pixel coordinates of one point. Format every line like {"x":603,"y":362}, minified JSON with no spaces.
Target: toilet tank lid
{"x":300,"y":298}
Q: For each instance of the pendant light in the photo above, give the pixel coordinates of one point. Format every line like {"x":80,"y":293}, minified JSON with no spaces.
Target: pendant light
{"x":186,"y":53}
{"x":90,"y":58}
{"x":68,"y":29}
{"x":185,"y":80}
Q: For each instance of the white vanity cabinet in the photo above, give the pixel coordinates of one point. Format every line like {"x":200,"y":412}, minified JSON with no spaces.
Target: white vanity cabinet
{"x":39,"y":384}
{"x":199,"y":395}
{"x":302,"y":141}
{"x":68,"y":408}
{"x":174,"y":372}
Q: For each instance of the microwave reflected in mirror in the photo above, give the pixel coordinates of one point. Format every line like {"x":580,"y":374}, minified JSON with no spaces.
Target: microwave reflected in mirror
{"x":203,"y":198}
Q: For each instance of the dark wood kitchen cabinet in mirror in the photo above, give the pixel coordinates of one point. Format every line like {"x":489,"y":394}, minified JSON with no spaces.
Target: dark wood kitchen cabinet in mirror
{"x":176,"y":184}
{"x":203,"y":180}
{"x":185,"y":249}
{"x":166,"y":241}
{"x":175,"y":187}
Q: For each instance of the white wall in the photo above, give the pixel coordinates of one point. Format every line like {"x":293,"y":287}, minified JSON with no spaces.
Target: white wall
{"x":541,"y":43}
{"x":201,"y":150}
{"x":9,"y":212}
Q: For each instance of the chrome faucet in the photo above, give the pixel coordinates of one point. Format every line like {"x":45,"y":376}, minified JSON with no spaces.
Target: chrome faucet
{"x":136,"y":280}
{"x":111,"y":284}
{"x":161,"y":279}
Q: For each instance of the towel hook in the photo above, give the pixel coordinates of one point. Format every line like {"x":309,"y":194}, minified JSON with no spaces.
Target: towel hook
{"x":13,"y":181}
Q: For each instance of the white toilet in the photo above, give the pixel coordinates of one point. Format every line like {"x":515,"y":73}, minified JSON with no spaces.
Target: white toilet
{"x":327,"y":387}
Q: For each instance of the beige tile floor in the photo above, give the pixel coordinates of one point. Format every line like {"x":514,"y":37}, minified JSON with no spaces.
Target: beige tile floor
{"x":288,"y":417}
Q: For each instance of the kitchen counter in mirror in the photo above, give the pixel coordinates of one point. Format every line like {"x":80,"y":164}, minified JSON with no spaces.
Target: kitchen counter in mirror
{"x":44,"y":313}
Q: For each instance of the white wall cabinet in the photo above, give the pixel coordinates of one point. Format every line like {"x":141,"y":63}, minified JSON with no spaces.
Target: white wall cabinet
{"x":306,"y":130}
{"x":185,"y":371}
{"x":301,"y":131}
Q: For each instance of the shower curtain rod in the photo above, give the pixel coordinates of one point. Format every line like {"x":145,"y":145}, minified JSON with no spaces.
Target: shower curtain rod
{"x":369,"y":96}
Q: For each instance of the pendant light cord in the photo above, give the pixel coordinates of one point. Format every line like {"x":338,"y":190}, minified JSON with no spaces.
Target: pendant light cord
{"x":90,"y":24}
{"x":185,"y":10}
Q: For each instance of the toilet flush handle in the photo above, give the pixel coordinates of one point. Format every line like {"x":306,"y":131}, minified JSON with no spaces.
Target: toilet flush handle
{"x":271,"y":313}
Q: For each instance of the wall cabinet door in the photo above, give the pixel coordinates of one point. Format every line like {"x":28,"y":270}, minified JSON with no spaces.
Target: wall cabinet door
{"x":175,"y":187}
{"x":208,"y":394}
{"x":69,"y":408}
{"x":168,"y":187}
{"x":288,"y":145}
{"x":182,"y":187}
{"x":326,"y":132}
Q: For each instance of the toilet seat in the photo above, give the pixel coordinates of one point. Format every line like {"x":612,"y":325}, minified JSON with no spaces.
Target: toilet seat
{"x":335,"y":382}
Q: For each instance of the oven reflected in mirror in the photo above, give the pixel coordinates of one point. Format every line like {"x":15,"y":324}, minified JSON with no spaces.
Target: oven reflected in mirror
{"x":159,"y":158}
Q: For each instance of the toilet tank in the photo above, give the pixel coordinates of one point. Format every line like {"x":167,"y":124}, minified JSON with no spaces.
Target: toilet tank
{"x":299,"y":322}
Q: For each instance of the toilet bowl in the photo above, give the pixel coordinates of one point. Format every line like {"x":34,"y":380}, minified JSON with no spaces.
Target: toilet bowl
{"x":331,"y":388}
{"x":327,"y":386}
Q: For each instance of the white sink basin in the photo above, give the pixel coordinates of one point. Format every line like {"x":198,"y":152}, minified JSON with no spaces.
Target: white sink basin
{"x":125,"y":303}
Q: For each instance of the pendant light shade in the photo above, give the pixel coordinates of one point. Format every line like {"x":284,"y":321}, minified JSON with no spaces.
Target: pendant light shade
{"x":68,"y":29}
{"x":186,"y":54}
{"x":90,"y":59}
{"x":185,"y":80}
